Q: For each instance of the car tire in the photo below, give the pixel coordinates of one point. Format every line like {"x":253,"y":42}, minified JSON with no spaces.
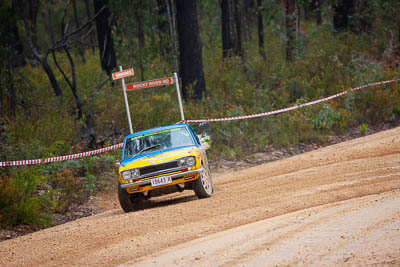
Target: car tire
{"x":128,"y":202}
{"x":203,"y":186}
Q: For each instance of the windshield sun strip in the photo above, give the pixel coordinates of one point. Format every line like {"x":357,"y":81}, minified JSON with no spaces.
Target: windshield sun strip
{"x":157,"y":132}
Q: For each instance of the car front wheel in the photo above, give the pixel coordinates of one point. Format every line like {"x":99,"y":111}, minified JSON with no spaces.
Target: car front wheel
{"x":203,"y":186}
{"x":128,"y":202}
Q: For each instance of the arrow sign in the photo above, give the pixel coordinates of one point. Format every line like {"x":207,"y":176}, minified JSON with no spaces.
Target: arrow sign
{"x":122,"y":74}
{"x":147,"y":84}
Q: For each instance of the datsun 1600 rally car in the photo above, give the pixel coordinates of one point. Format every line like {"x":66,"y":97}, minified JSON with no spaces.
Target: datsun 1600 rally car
{"x":160,"y":161}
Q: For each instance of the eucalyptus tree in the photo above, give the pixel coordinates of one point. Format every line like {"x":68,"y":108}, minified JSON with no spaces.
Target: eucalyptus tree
{"x":290,"y":21}
{"x":260,"y":29}
{"x":231,"y":28}
{"x":104,"y":24}
{"x":191,"y":64}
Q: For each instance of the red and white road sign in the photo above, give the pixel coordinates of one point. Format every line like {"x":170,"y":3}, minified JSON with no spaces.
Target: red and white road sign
{"x":122,"y":74}
{"x":147,"y":84}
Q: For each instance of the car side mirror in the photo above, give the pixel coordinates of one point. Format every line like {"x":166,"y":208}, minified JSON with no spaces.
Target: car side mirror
{"x":205,"y":141}
{"x":203,"y":131}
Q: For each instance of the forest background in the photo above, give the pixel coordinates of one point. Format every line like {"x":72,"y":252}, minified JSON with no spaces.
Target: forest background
{"x":234,"y":57}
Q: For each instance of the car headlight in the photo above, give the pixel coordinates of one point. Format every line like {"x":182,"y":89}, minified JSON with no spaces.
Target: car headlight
{"x":181,"y":162}
{"x":130,"y":174}
{"x":187,"y":161}
{"x":126,"y":175}
{"x":135,"y":173}
{"x":191,"y":161}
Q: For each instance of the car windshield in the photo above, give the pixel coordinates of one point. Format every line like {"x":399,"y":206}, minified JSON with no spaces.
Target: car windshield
{"x":157,"y":141}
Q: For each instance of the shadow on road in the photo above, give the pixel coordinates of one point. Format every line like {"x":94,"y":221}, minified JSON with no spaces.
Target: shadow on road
{"x":155,"y":203}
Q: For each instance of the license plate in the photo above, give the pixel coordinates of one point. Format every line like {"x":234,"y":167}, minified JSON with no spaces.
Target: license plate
{"x":161,"y":181}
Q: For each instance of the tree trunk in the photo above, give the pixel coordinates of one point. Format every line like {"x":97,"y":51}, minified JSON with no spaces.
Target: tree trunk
{"x":37,"y":55}
{"x":73,"y":86}
{"x":171,"y":20}
{"x":343,"y":10}
{"x":248,"y":18}
{"x":81,"y":49}
{"x":47,"y":69}
{"x":398,"y":45}
{"x":140,"y":36}
{"x":237,"y":50}
{"x":226,"y":29}
{"x":290,"y":28}
{"x":91,"y":36}
{"x":190,"y":49}
{"x":231,"y":25}
{"x":162,"y":25}
{"x":16,"y":46}
{"x":363,"y":17}
{"x":352,"y":14}
{"x":317,"y":6}
{"x":33,"y":12}
{"x":1,"y":106}
{"x":12,"y":98}
{"x":260,"y":29}
{"x":106,"y":46}
{"x":49,"y":25}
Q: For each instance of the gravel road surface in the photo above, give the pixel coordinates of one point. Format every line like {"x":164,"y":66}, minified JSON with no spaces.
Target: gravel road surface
{"x":339,"y":205}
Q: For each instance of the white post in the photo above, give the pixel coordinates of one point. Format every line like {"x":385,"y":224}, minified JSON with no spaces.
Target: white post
{"x":126,"y":103}
{"x":179,"y":96}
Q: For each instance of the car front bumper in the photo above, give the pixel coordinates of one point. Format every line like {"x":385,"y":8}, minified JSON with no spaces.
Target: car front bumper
{"x":187,"y":175}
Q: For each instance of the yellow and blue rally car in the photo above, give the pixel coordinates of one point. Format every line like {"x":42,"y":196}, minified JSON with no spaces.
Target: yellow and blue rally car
{"x":160,"y":161}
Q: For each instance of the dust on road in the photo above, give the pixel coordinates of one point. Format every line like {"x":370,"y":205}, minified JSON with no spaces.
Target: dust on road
{"x":337,"y":205}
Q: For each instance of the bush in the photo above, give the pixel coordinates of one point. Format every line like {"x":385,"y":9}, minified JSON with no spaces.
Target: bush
{"x":28,"y":195}
{"x":22,"y":201}
{"x":326,"y":118}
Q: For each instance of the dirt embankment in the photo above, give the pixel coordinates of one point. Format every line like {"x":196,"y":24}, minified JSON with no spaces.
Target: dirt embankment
{"x":337,"y":205}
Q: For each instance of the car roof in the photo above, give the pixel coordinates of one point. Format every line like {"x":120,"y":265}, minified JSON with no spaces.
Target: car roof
{"x":160,"y":128}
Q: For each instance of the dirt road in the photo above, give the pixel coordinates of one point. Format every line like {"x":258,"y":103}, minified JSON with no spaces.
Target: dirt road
{"x":337,"y":205}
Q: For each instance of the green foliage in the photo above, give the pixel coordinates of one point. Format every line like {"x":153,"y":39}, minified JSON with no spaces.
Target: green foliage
{"x":65,"y":189}
{"x":326,"y":118}
{"x":29,"y":194}
{"x":21,"y":199}
{"x":363,"y":128}
{"x":73,"y":181}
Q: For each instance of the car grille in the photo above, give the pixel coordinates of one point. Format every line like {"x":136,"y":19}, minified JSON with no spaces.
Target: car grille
{"x":158,"y":167}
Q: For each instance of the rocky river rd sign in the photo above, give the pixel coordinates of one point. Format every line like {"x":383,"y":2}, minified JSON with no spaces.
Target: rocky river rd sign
{"x":147,"y":84}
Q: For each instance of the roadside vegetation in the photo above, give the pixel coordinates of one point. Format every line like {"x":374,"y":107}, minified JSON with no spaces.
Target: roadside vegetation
{"x":325,"y":62}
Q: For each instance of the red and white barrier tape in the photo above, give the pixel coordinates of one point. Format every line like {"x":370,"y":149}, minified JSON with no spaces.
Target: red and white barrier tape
{"x":61,"y":158}
{"x":102,"y":150}
{"x":294,"y":107}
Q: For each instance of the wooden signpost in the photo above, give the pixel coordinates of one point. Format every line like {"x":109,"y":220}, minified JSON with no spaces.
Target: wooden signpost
{"x":121,"y":75}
